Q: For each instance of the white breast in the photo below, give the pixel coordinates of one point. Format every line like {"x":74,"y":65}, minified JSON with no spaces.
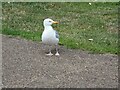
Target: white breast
{"x":49,"y":37}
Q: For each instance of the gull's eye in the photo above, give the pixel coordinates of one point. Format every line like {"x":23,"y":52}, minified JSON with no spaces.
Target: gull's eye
{"x":49,"y":21}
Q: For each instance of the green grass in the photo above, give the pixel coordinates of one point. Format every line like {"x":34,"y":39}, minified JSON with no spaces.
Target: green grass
{"x":79,"y":22}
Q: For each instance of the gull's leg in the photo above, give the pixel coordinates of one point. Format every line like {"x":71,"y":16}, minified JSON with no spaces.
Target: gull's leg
{"x":49,"y":54}
{"x":57,"y":54}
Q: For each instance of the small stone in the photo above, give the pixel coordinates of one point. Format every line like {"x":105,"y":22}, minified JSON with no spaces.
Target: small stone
{"x":89,"y":3}
{"x":90,"y":39}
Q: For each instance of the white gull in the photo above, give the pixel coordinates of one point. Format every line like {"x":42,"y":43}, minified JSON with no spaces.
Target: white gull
{"x":50,"y":36}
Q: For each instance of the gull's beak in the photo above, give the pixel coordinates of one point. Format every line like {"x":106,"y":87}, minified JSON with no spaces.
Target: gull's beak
{"x":55,"y":22}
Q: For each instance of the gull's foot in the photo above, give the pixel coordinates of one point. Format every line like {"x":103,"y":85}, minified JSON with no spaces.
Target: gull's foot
{"x":57,"y":54}
{"x":49,"y":54}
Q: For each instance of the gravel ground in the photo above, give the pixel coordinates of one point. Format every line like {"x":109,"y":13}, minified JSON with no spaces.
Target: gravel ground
{"x":25,"y":64}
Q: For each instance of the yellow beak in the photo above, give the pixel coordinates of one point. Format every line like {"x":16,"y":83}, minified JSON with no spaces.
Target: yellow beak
{"x":55,"y":22}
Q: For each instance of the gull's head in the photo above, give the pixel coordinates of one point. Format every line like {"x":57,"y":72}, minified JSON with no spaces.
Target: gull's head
{"x":49,"y":22}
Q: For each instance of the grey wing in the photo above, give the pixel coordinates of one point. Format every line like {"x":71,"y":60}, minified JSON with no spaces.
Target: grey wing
{"x":57,"y":34}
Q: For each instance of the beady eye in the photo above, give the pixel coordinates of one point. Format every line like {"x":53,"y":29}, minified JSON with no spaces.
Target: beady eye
{"x":49,"y":21}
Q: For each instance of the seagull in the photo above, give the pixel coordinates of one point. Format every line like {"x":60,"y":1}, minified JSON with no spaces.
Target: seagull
{"x":50,"y":36}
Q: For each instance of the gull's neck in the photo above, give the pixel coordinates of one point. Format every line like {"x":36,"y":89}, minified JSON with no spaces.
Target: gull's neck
{"x":48,"y":27}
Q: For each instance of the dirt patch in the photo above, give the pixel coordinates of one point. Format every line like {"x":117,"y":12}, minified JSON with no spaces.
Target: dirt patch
{"x":25,"y":64}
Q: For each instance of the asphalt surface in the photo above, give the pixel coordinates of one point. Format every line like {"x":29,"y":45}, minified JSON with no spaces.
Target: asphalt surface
{"x":24,"y":64}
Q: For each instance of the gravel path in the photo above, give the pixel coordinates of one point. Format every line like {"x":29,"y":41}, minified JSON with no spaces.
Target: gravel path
{"x":24,"y":64}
